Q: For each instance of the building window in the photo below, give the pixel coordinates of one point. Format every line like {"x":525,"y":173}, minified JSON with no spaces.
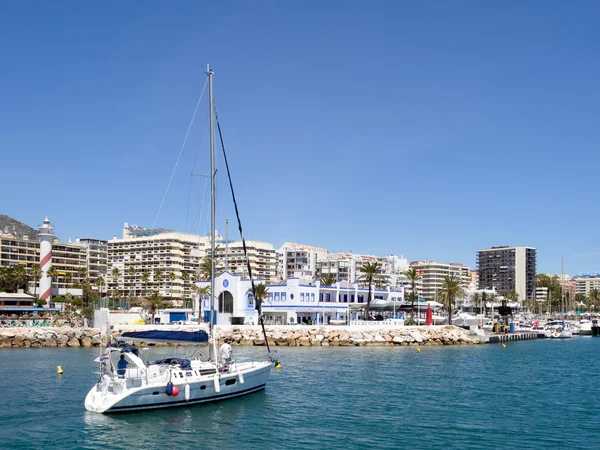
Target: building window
{"x":276,"y":296}
{"x":302,"y":296}
{"x":283,"y":296}
{"x":312,"y":297}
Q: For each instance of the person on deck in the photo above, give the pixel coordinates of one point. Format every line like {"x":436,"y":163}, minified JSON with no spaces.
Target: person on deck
{"x":122,"y":365}
{"x":225,"y":351}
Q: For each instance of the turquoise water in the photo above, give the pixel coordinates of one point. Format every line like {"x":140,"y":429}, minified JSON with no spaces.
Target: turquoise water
{"x":532,"y":394}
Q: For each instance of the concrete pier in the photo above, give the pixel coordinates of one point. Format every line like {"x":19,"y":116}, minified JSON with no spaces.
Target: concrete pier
{"x":502,"y":338}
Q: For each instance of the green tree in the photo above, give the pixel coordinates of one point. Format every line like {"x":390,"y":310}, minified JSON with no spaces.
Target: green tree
{"x":155,"y":302}
{"x":476,"y":300}
{"x":206,"y":269}
{"x":100,"y":283}
{"x":594,"y":298}
{"x":370,"y":272}
{"x":145,"y":280}
{"x":54,"y":275}
{"x":260,"y":295}
{"x":131,"y":273}
{"x":451,"y":289}
{"x":172,"y":277}
{"x":84,"y":284}
{"x":36,"y":274}
{"x":512,"y":295}
{"x":68,"y":278}
{"x":413,"y":276}
{"x":158,"y":276}
{"x":327,"y":280}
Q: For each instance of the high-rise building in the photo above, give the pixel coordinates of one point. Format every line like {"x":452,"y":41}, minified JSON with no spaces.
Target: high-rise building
{"x":586,"y":282}
{"x":507,"y":268}
{"x":262,"y":257}
{"x":67,"y":259}
{"x":97,"y":256}
{"x":298,"y":260}
{"x":433,"y":273}
{"x":146,"y":258}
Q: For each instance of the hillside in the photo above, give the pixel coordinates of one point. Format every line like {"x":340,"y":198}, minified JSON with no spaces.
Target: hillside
{"x":8,"y":225}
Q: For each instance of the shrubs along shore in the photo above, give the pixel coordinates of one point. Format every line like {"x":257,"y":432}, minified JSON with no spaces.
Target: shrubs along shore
{"x":287,"y":336}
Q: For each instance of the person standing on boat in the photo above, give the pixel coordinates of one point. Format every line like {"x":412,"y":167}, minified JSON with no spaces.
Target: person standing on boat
{"x":121,"y":366}
{"x":225,"y":352}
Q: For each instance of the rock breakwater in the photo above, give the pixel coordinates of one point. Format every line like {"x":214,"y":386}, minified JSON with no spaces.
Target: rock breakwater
{"x":49,"y":337}
{"x":288,"y":336}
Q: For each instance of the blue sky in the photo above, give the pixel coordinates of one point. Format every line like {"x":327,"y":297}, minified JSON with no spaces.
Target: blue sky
{"x":427,"y":129}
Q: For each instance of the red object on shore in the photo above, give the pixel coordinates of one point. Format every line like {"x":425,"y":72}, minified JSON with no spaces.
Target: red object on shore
{"x":429,"y":315}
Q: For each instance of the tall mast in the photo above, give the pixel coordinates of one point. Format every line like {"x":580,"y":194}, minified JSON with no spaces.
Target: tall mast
{"x":213,"y":205}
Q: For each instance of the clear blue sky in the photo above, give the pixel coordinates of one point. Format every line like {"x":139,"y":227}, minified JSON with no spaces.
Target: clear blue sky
{"x":428,"y":129}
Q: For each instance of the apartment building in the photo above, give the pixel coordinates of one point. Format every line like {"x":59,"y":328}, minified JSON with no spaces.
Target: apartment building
{"x":295,"y":260}
{"x":97,"y":256}
{"x":262,"y":256}
{"x":586,"y":282}
{"x":66,"y":258}
{"x":433,"y":273}
{"x":157,"y":253}
{"x":507,"y":268}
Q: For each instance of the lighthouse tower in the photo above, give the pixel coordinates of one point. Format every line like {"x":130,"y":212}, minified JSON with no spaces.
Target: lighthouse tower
{"x":46,"y":236}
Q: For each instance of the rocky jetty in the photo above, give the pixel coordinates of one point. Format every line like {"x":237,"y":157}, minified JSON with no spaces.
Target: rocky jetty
{"x":288,"y":336}
{"x":49,"y":337}
{"x":348,"y":336}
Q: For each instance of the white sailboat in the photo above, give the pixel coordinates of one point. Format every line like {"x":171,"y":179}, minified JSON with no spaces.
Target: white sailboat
{"x":136,"y":384}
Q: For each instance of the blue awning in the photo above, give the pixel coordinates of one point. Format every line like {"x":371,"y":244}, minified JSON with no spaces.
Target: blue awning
{"x":175,"y":337}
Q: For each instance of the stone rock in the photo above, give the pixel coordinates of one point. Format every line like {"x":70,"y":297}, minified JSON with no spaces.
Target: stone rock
{"x":398,"y":340}
{"x":358,"y":342}
{"x":319,"y":337}
{"x":325,"y":343}
{"x":416,"y":336}
{"x":73,"y":342}
{"x":86,"y":341}
{"x":304,"y":341}
{"x":379,"y":339}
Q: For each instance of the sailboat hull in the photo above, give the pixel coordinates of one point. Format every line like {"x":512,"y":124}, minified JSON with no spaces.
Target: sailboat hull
{"x":113,"y":396}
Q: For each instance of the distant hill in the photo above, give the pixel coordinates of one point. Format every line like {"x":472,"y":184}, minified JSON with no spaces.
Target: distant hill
{"x":8,"y":225}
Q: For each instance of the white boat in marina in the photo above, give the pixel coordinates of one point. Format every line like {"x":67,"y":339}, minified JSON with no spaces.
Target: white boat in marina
{"x":169,"y":382}
{"x":585,"y":327}
{"x":128,"y":383}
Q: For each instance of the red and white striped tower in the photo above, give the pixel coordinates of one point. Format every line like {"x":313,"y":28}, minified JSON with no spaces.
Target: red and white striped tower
{"x":46,"y":235}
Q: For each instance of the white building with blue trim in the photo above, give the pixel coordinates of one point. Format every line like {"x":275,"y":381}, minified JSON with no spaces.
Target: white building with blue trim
{"x":295,"y":301}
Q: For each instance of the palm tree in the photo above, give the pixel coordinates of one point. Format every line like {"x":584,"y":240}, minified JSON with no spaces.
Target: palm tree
{"x":131,"y":274}
{"x":594,"y":298}
{"x":145,"y":280}
{"x":36,"y":274}
{"x":327,"y":280}
{"x":206,"y":269}
{"x":476,"y":299}
{"x":155,"y":302}
{"x":100,"y":283}
{"x":68,"y":278}
{"x":116,"y":273}
{"x":451,"y":289}
{"x":370,"y":271}
{"x":491,"y":298}
{"x":260,"y":294}
{"x":201,"y":292}
{"x":172,"y":277}
{"x":512,"y":295}
{"x":84,"y":283}
{"x":158,"y":276}
{"x":117,"y":293}
{"x":413,"y":276}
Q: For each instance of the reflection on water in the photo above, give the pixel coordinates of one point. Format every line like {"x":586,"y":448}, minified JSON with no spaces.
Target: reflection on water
{"x":528,"y":395}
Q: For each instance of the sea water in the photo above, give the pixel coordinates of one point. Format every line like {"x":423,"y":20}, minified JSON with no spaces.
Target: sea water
{"x":532,"y":394}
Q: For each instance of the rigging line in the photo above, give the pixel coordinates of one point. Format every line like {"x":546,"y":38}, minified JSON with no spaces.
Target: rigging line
{"x":237,"y":214}
{"x":180,"y":153}
{"x":192,"y":172}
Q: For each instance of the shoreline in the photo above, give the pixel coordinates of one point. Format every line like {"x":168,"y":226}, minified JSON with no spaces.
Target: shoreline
{"x":277,"y":336}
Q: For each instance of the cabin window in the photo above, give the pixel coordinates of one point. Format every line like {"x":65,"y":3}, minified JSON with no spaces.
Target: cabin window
{"x":202,"y":387}
{"x":155,"y":393}
{"x":230,"y":382}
